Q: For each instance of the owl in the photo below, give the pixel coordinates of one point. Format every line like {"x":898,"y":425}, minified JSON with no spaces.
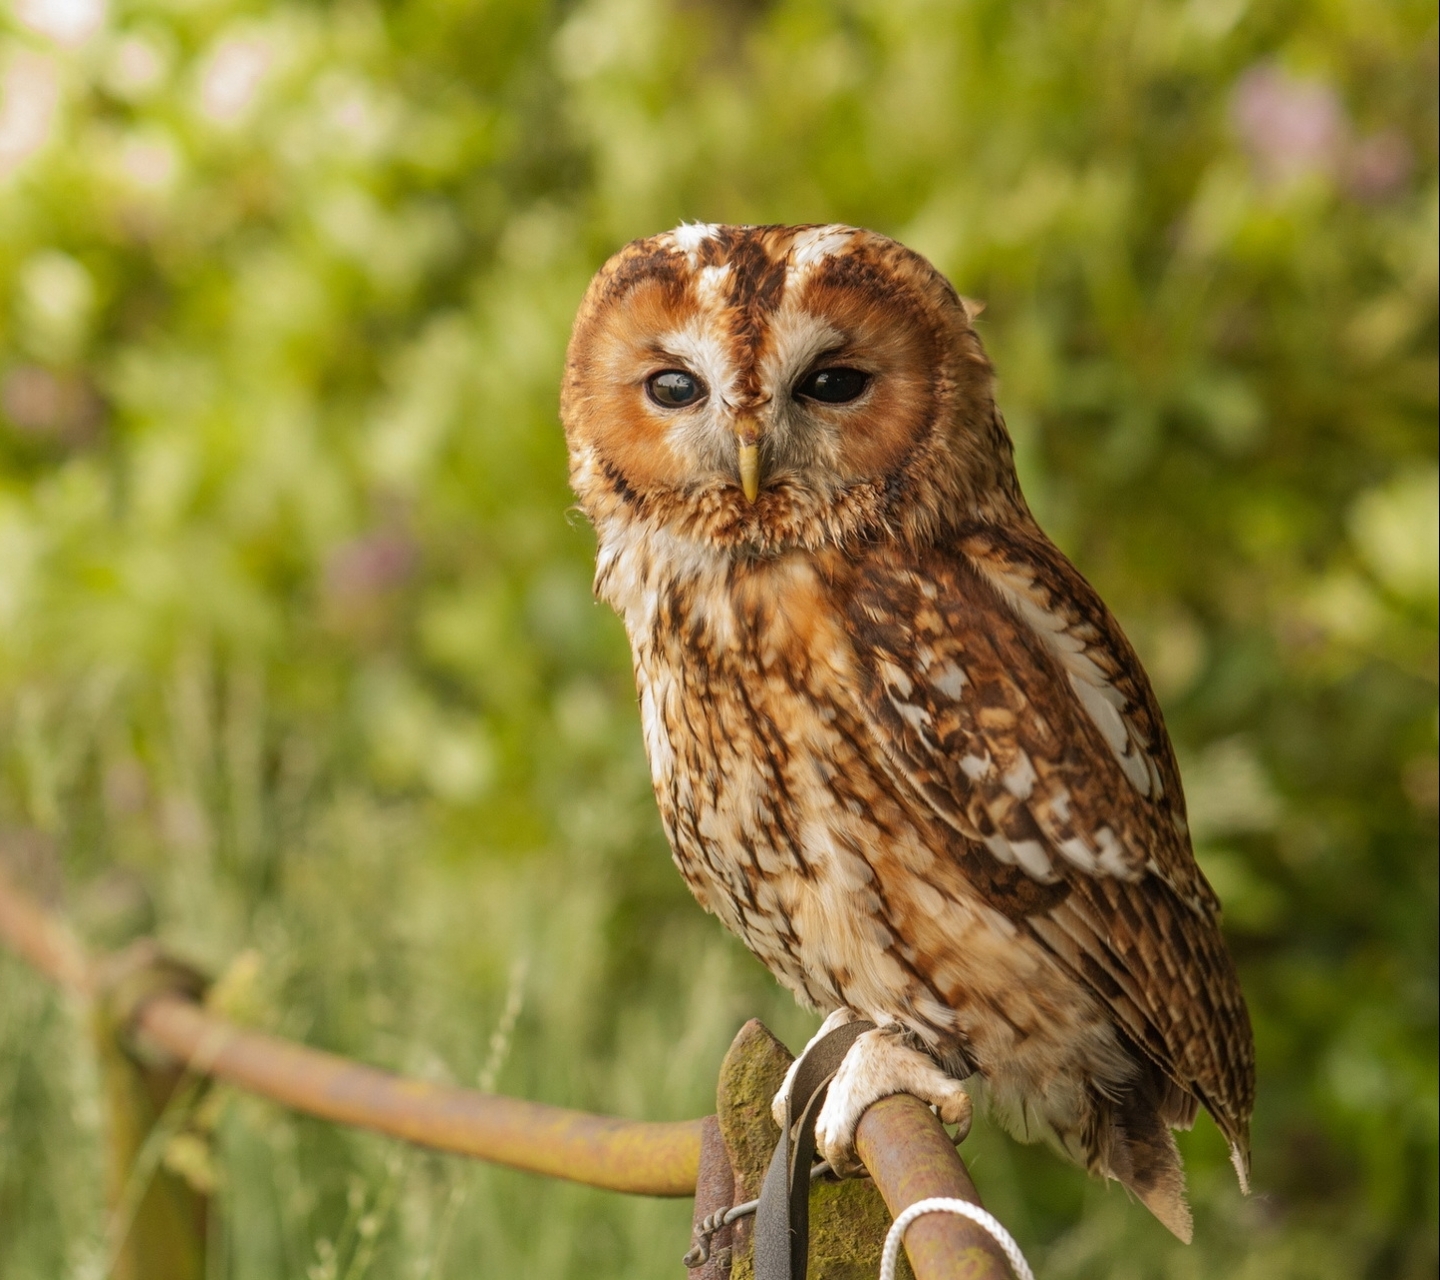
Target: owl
{"x":899,"y":745}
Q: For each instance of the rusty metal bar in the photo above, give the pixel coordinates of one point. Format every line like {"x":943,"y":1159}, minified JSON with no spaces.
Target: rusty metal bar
{"x":911,"y":1158}
{"x":41,"y":940}
{"x":654,"y":1159}
{"x":651,"y":1159}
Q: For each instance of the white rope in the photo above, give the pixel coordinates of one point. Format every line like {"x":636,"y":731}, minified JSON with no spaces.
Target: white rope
{"x":890,"y":1258}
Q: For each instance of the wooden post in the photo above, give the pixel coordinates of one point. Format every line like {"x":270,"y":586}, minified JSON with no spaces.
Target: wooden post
{"x":157,"y":1218}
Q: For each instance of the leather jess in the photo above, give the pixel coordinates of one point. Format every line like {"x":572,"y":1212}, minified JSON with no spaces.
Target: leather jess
{"x":782,"y":1220}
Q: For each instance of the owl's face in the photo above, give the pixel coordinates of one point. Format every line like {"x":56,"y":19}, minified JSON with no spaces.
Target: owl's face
{"x":762,"y":379}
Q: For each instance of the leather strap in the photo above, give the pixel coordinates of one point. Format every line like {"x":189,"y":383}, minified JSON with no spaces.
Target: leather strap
{"x":782,"y":1221}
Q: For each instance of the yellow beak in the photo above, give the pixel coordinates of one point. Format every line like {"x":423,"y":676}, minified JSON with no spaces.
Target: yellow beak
{"x":749,"y":454}
{"x":750,"y":470}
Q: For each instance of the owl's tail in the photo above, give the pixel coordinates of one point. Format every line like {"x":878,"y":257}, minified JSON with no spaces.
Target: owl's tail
{"x":1129,"y":1139}
{"x":1116,"y":1120}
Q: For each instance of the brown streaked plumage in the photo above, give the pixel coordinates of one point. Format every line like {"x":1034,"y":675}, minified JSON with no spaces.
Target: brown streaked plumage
{"x":900,"y":746}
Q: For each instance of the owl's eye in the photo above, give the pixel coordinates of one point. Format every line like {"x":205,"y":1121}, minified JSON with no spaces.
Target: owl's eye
{"x":834,"y":386}
{"x":674,"y":388}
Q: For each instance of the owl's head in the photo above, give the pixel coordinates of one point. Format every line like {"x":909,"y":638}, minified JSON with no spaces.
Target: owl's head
{"x":770,"y":387}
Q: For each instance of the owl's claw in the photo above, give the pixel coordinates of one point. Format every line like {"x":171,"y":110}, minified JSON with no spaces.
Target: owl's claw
{"x":879,"y":1064}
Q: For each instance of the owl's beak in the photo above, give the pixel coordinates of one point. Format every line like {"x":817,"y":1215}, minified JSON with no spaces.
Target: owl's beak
{"x":749,"y":454}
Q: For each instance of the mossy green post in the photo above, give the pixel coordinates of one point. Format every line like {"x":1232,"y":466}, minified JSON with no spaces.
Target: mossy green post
{"x":157,"y":1218}
{"x":848,"y":1220}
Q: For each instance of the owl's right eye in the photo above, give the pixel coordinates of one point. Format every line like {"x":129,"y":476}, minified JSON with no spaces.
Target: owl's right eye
{"x":674,"y":388}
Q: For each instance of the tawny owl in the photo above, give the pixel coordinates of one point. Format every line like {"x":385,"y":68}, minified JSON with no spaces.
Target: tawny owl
{"x":900,"y":746}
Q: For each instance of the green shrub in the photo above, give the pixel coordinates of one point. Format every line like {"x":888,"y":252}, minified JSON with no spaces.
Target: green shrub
{"x":297,"y":651}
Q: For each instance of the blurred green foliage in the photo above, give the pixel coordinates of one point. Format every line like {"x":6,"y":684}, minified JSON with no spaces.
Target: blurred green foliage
{"x":298,"y":661}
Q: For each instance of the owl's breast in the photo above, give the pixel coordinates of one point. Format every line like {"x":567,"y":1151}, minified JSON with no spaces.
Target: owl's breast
{"x":779,"y":814}
{"x":788,"y":821}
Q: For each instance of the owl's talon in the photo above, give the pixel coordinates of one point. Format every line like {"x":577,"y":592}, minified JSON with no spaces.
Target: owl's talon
{"x":961,"y":1123}
{"x":879,"y":1064}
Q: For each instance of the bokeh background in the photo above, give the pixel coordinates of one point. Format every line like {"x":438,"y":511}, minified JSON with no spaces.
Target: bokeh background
{"x":299,"y":666}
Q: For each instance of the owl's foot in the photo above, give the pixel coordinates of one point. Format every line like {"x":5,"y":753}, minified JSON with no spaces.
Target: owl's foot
{"x":881,"y":1063}
{"x":837,"y":1019}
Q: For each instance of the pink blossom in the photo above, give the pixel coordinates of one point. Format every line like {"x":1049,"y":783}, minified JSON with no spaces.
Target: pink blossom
{"x":1291,"y":127}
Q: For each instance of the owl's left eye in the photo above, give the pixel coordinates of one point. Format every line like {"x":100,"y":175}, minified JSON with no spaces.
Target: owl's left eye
{"x":674,"y":388}
{"x":834,"y":386}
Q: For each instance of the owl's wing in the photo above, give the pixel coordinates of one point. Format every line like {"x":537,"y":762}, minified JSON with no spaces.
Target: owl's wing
{"x":1009,"y":700}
